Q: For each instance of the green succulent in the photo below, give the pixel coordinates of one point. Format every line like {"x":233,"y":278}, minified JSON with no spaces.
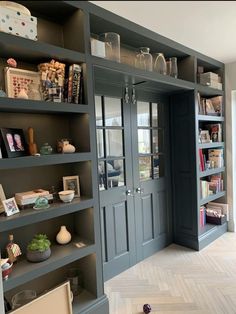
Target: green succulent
{"x":39,"y":243}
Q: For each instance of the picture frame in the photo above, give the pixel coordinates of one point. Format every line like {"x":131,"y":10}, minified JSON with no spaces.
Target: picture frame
{"x":13,"y":142}
{"x":57,"y":300}
{"x":2,"y":198}
{"x":72,"y":183}
{"x":18,"y":79}
{"x":10,"y":206}
{"x":205,"y":136}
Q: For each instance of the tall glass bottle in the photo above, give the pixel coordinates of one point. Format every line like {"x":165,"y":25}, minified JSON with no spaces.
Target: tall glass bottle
{"x":143,"y":59}
{"x":160,"y":64}
{"x":174,"y":67}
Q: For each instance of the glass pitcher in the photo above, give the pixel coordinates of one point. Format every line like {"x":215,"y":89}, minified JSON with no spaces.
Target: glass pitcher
{"x":143,"y":59}
{"x":160,"y":64}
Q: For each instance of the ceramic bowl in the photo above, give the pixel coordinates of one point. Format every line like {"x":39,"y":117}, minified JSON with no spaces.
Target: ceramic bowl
{"x":66,"y":196}
{"x":6,"y":272}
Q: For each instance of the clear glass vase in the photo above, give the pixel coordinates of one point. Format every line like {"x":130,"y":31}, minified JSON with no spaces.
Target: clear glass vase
{"x":143,"y":59}
{"x":160,"y":64}
{"x":112,"y":45}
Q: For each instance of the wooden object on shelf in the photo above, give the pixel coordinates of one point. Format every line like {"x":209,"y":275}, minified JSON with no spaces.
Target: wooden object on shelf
{"x":32,"y":145}
{"x":57,"y":300}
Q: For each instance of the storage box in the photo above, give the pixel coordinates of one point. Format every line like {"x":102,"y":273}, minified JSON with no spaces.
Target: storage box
{"x":216,"y":220}
{"x":209,"y":79}
{"x":98,"y":48}
{"x":17,"y":23}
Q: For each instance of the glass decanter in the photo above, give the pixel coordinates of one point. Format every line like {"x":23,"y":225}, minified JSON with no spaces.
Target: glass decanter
{"x":160,"y":64}
{"x":143,"y":59}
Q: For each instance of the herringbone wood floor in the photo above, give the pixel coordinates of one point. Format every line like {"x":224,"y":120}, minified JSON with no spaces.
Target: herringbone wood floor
{"x":178,"y":280}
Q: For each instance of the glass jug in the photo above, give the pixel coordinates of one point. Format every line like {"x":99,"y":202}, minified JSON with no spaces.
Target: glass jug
{"x":143,"y":59}
{"x":160,"y":64}
{"x":112,"y":45}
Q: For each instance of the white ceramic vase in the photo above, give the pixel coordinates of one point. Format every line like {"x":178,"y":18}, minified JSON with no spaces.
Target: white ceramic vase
{"x":63,"y":236}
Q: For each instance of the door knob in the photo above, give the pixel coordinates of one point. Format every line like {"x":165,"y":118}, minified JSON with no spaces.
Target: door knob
{"x":129,"y":193}
{"x":139,"y":190}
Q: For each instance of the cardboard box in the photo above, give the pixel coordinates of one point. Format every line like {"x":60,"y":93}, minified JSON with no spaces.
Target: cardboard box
{"x":17,"y":23}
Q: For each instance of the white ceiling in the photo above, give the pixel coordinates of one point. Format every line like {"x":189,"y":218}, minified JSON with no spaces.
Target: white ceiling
{"x":206,"y":26}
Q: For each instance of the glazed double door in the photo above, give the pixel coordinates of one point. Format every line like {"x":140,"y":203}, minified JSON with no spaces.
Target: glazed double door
{"x":133,"y":171}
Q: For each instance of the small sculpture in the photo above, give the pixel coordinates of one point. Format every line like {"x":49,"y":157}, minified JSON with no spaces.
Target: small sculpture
{"x":13,"y":249}
{"x":46,"y":149}
{"x":63,"y":146}
{"x":12,"y":62}
{"x":32,"y":145}
{"x":147,"y":308}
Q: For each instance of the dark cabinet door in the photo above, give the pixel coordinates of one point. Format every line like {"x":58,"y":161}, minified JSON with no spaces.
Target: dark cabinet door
{"x":132,"y":151}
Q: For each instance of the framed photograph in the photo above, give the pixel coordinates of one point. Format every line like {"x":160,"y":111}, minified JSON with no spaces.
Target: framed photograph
{"x":10,"y":206}
{"x":13,"y":142}
{"x":57,"y":300}
{"x":72,"y":183}
{"x":205,"y":136}
{"x":2,"y":198}
{"x":18,"y":79}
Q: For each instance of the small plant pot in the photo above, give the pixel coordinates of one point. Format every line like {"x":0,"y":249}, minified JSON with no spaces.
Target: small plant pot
{"x":37,"y":256}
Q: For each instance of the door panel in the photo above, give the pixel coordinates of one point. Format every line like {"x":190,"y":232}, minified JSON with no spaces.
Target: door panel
{"x":133,"y":164}
{"x":115,"y":178}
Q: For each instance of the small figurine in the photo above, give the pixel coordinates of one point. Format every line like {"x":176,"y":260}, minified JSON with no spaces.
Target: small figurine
{"x":12,"y":62}
{"x":13,"y":249}
{"x":63,"y":146}
{"x":32,"y":145}
{"x":147,"y":308}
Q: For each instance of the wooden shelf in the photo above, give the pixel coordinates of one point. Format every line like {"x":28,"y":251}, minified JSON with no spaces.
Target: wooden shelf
{"x":211,"y":145}
{"x":37,"y":106}
{"x":43,"y":160}
{"x":118,"y":73}
{"x":211,"y":171}
{"x":209,"y":229}
{"x":25,"y":271}
{"x":31,"y":216}
{"x":85,"y":302}
{"x":212,"y":198}
{"x":210,"y":118}
{"x":206,"y":91}
{"x":35,"y":51}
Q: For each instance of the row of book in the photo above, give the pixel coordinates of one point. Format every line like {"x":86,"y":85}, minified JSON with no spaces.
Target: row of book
{"x":211,"y":158}
{"x":213,"y":186}
{"x":210,"y":106}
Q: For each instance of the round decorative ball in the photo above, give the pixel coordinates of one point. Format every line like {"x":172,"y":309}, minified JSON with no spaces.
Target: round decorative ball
{"x":147,"y":308}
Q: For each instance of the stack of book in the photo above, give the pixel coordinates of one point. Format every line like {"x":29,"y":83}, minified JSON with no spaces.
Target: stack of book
{"x":28,"y":198}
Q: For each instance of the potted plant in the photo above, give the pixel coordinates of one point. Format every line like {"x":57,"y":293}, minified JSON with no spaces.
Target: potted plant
{"x":38,"y":249}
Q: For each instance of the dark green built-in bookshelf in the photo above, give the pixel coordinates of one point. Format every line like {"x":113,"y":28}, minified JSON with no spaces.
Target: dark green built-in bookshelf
{"x":69,"y":25}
